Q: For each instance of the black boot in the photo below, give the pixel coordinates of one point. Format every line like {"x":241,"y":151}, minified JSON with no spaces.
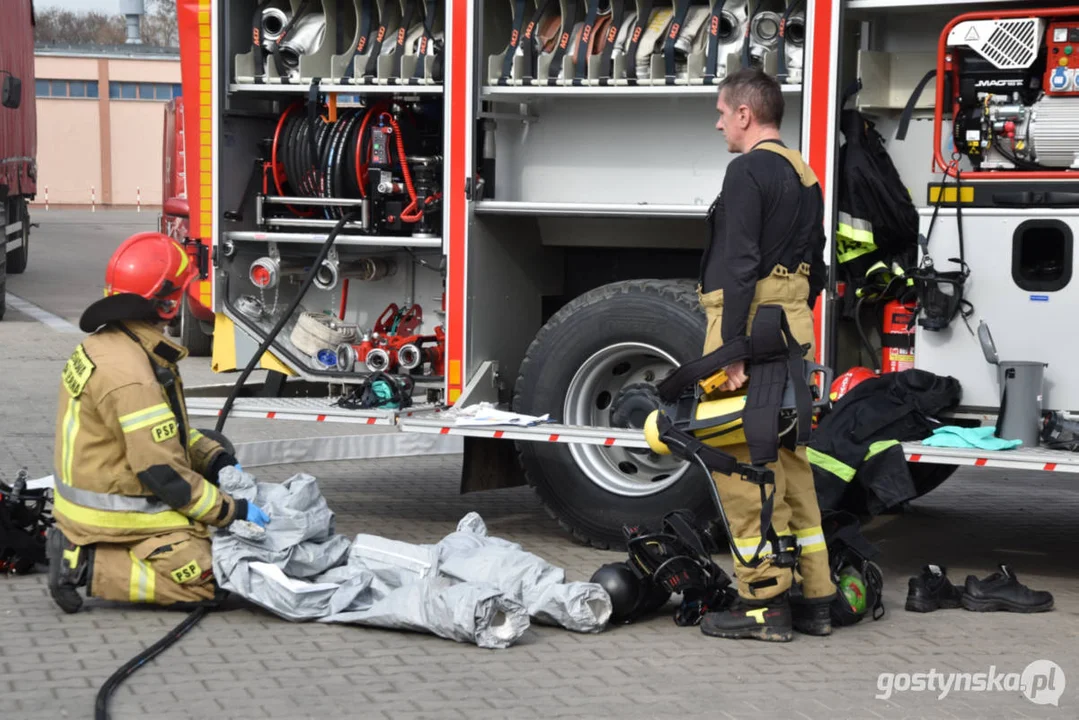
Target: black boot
{"x":812,"y":617}
{"x":1002,"y":591}
{"x":768,"y":620}
{"x":932,"y":590}
{"x":70,"y":567}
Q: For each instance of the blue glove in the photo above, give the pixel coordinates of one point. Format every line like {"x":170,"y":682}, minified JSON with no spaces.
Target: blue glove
{"x":239,"y":467}
{"x":256,"y":515}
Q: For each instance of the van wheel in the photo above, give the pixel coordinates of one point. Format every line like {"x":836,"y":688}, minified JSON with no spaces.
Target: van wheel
{"x":603,"y":341}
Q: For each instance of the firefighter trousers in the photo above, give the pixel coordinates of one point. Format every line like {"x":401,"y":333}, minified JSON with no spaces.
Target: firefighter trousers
{"x":795,"y":511}
{"x":170,"y":568}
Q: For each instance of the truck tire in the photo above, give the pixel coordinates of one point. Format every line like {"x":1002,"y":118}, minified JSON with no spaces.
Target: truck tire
{"x":18,"y":259}
{"x":189,"y":330}
{"x":613,"y":336}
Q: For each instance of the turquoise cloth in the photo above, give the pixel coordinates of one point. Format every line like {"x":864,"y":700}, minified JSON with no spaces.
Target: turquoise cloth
{"x":981,"y":438}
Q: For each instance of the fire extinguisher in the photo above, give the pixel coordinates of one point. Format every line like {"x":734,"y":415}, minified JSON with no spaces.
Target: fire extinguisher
{"x":897,"y":337}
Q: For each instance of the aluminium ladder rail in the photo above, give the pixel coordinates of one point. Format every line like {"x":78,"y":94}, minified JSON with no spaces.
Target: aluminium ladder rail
{"x":432,"y":419}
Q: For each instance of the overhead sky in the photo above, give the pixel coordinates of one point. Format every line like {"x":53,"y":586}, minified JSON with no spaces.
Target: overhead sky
{"x":109,"y":6}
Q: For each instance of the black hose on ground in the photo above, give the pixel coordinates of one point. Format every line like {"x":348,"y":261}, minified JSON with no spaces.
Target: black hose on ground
{"x":101,"y":703}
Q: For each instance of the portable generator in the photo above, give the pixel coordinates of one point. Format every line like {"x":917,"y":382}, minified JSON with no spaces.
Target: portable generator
{"x":1010,"y":80}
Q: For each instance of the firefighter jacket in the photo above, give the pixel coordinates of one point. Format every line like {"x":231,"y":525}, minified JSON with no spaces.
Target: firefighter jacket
{"x":877,"y":224}
{"x":858,"y":442}
{"x":127,"y":466}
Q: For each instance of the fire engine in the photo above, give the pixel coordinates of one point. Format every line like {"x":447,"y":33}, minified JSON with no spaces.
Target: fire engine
{"x":504,"y":201}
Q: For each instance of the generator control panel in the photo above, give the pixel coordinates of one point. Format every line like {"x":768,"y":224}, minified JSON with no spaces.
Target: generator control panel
{"x":1062,"y":59}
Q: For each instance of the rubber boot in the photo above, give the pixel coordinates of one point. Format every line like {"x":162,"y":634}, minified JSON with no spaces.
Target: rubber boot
{"x":768,"y":620}
{"x":812,"y":617}
{"x":70,"y":567}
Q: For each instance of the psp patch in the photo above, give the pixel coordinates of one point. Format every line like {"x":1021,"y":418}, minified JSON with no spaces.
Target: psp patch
{"x":187,"y":573}
{"x":165,"y":430}
{"x":77,"y":372}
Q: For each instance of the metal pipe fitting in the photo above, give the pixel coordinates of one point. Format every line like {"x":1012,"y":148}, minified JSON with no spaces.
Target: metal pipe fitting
{"x":378,"y":360}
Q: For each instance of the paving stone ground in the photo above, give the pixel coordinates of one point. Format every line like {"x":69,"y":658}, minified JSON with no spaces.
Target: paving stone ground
{"x":246,"y":663}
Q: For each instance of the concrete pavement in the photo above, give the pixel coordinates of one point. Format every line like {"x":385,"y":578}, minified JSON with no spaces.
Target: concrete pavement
{"x":246,"y":663}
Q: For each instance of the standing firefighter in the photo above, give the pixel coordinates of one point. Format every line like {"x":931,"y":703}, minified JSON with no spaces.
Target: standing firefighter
{"x":766,"y":247}
{"x":136,"y":485}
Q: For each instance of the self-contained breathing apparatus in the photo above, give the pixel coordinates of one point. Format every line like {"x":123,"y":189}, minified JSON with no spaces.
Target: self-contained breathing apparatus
{"x":673,"y":559}
{"x":779,"y":401}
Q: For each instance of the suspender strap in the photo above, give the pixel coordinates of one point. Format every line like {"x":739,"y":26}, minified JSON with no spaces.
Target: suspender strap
{"x":584,"y":42}
{"x":681,"y":10}
{"x":568,"y":21}
{"x":643,"y":18}
{"x":618,"y":15}
{"x":711,"y":60}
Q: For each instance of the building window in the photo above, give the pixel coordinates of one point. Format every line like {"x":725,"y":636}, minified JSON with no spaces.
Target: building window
{"x":143,"y":91}
{"x":65,"y":88}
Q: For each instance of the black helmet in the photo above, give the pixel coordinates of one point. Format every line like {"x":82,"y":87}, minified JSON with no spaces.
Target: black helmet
{"x":631,"y":597}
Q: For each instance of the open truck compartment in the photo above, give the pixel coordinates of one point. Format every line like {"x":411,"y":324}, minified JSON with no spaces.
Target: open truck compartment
{"x":519,"y":192}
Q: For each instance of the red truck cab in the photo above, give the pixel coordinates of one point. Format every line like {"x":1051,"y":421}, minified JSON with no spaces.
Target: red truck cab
{"x":194,"y":324}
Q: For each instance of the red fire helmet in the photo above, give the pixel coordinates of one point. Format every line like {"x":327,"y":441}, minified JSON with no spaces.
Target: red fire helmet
{"x":146,"y":276}
{"x":848,"y":381}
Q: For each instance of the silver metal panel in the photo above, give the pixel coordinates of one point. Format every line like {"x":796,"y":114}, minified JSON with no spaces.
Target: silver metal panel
{"x":619,"y":151}
{"x":509,"y":273}
{"x":587,"y":209}
{"x":313,"y":409}
{"x":1025,"y":325}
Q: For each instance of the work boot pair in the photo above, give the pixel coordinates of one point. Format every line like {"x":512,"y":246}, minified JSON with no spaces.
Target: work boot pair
{"x":771,"y":620}
{"x":70,"y":567}
{"x":932,"y":590}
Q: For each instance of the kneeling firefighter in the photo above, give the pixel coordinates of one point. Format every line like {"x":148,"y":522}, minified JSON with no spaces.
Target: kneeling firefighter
{"x":766,"y":249}
{"x":136,"y":486}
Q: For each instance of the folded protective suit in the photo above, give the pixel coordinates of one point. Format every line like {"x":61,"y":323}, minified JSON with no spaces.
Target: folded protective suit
{"x":468,"y":587}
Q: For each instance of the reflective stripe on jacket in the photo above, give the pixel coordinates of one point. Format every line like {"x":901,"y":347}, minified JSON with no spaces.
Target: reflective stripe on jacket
{"x":123,"y":469}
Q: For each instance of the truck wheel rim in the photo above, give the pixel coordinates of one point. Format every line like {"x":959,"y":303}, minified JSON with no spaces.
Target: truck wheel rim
{"x":589,"y":398}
